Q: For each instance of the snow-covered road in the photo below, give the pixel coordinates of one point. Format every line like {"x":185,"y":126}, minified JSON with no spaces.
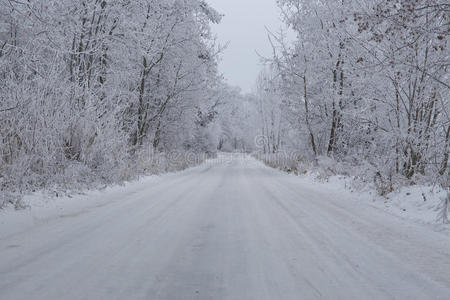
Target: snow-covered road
{"x":230,"y":229}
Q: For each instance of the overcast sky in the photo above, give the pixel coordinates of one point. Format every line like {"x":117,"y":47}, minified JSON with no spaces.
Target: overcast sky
{"x":243,"y":27}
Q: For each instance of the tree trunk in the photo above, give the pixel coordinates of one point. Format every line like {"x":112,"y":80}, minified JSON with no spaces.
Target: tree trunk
{"x":305,"y":96}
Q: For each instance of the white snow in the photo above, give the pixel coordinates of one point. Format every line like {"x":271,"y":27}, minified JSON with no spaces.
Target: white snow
{"x":41,"y":207}
{"x":228,"y":229}
{"x":419,"y":203}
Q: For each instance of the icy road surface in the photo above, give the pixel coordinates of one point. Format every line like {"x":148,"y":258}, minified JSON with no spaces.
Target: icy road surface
{"x":230,"y":229}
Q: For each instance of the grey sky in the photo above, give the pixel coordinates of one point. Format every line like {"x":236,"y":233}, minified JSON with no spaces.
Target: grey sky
{"x":243,"y":27}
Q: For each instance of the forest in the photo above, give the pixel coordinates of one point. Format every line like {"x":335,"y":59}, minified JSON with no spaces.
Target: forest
{"x":98,"y":92}
{"x":365,"y":83}
{"x":92,"y":90}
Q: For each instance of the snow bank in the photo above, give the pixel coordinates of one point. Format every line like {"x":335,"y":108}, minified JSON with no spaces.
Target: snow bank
{"x":43,"y":206}
{"x":422,"y":203}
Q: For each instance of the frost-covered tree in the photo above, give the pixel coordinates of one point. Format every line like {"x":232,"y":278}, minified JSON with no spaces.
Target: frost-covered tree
{"x":237,"y":120}
{"x":90,"y":87}
{"x":367,"y":81}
